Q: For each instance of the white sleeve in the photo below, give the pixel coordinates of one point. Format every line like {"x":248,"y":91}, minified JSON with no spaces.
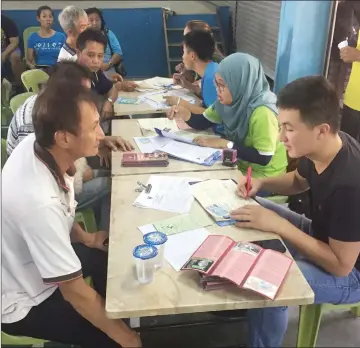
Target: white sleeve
{"x":46,"y":233}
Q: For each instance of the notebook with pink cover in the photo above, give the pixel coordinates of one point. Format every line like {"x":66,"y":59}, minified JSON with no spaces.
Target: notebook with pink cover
{"x":139,"y":159}
{"x":245,"y":264}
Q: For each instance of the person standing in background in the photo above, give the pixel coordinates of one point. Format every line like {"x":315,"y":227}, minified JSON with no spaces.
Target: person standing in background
{"x":44,"y":46}
{"x":73,"y":20}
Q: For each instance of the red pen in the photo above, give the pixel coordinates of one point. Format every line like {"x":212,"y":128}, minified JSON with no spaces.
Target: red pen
{"x":248,"y":181}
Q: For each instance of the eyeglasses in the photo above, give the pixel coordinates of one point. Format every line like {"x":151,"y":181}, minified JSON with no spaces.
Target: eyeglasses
{"x":219,"y":86}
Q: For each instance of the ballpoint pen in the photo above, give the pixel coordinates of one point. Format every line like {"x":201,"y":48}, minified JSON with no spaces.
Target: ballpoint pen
{"x":248,"y":181}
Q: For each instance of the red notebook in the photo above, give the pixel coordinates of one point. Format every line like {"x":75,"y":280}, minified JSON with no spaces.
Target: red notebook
{"x":138,"y":159}
{"x":244,"y":264}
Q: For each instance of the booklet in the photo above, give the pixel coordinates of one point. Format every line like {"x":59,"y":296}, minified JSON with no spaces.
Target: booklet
{"x":219,"y":198}
{"x":138,"y":159}
{"x":183,"y":135}
{"x":246,"y":265}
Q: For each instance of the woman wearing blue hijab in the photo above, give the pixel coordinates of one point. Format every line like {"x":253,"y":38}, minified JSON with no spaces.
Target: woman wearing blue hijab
{"x":247,"y":110}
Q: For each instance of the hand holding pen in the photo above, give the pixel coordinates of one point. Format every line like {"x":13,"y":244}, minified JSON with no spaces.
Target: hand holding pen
{"x":248,"y":186}
{"x":178,"y":112}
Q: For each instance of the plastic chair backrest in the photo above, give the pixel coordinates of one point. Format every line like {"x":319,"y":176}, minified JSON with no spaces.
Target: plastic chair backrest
{"x":19,"y":100}
{"x":32,"y":79}
{"x":27,"y":32}
{"x":3,"y":153}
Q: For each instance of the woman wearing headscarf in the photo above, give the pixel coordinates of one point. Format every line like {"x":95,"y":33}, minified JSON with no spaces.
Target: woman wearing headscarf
{"x":246,"y":108}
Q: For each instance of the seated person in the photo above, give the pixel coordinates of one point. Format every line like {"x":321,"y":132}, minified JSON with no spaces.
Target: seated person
{"x":11,"y":63}
{"x":326,"y":248}
{"x":113,"y":51}
{"x":73,"y":20}
{"x":44,"y":46}
{"x":247,"y":109}
{"x":91,"y":46}
{"x":199,"y":47}
{"x":92,"y":187}
{"x":188,"y":78}
{"x":46,"y":255}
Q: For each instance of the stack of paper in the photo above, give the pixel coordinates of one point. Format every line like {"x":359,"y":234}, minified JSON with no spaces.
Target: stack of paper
{"x":151,"y":144}
{"x":168,"y":193}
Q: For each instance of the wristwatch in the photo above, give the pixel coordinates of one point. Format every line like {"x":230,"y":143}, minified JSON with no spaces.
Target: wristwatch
{"x":110,"y":100}
{"x":230,"y":145}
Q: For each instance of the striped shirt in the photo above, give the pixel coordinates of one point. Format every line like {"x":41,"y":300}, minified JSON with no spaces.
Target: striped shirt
{"x":21,"y":125}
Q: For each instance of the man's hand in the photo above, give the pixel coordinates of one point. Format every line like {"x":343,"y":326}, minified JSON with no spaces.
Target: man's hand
{"x":257,"y":217}
{"x":104,"y":154}
{"x":88,"y":174}
{"x":99,"y":240}
{"x":116,"y":78}
{"x":216,"y":143}
{"x":172,"y":100}
{"x":350,"y":54}
{"x":180,"y":68}
{"x":115,"y":143}
{"x":107,"y":110}
{"x":256,"y":185}
{"x":105,"y":66}
{"x":128,"y":86}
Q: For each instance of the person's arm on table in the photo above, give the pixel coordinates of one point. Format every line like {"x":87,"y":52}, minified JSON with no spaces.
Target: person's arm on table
{"x":339,"y":256}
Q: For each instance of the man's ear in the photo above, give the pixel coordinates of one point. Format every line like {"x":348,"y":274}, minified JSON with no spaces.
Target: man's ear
{"x":62,"y":139}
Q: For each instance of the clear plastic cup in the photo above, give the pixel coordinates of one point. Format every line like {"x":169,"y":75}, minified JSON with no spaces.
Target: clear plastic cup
{"x":157,"y":239}
{"x":144,"y":261}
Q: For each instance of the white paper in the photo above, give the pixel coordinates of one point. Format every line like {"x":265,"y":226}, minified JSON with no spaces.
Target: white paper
{"x":168,"y":193}
{"x":186,"y":136}
{"x":179,"y":247}
{"x":160,"y":123}
{"x":188,"y":152}
{"x":343,"y":44}
{"x":151,"y":143}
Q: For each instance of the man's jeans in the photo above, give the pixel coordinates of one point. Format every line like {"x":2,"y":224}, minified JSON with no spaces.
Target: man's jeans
{"x":267,"y":326}
{"x":96,"y":194}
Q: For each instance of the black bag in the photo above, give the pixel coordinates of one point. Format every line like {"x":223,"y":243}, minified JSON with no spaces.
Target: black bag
{"x":119,"y":68}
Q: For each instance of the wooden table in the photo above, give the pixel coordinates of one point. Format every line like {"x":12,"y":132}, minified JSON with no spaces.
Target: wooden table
{"x":128,"y":129}
{"x":174,"y":292}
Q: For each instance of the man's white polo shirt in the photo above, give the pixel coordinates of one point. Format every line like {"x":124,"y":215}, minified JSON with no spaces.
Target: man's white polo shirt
{"x":38,"y":210}
{"x":67,"y":53}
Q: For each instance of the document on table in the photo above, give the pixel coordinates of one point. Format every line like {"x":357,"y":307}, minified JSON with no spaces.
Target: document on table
{"x":155,"y":83}
{"x":218,"y":197}
{"x":183,"y":135}
{"x":179,"y":247}
{"x":161,"y":123}
{"x":168,"y":193}
{"x":151,"y":143}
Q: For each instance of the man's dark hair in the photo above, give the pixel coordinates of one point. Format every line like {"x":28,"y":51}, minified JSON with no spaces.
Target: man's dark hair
{"x":44,"y":8}
{"x":90,"y":35}
{"x":316,"y":100}
{"x":93,"y":10}
{"x":57,"y":108}
{"x":200,"y":42}
{"x":69,"y":71}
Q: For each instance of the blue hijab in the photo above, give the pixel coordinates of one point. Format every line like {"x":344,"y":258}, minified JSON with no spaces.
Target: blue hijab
{"x":245,"y":78}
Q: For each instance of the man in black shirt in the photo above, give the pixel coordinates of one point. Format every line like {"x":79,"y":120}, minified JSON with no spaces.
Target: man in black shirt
{"x":327,"y":247}
{"x":10,"y":51}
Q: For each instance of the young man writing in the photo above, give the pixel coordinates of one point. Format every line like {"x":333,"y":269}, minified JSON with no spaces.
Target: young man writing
{"x":44,"y":294}
{"x":327,"y":247}
{"x":199,"y":47}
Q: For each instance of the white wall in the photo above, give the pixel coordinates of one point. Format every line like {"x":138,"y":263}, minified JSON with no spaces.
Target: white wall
{"x":184,"y":7}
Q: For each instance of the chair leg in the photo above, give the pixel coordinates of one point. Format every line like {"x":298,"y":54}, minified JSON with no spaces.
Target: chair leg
{"x":356,"y":311}
{"x":309,"y":323}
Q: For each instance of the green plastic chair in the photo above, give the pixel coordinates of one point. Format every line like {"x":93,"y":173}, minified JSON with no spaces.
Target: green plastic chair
{"x":3,"y":153}
{"x":32,"y":79}
{"x":27,"y":32}
{"x":19,"y":100}
{"x":86,"y":219}
{"x":310,"y":318}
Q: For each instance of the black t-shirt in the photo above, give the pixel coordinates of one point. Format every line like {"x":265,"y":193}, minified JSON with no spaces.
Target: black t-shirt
{"x":335,"y":195}
{"x":8,"y":30}
{"x":100,"y":83}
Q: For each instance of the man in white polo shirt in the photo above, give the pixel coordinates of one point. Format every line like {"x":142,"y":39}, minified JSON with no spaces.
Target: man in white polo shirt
{"x":45,"y":255}
{"x":73,"y":20}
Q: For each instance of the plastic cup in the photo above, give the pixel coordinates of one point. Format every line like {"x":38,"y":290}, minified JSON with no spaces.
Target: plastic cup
{"x":144,"y":261}
{"x":157,"y":239}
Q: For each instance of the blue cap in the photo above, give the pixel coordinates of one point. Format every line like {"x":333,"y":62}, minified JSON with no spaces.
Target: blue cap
{"x":155,"y":238}
{"x":145,"y":252}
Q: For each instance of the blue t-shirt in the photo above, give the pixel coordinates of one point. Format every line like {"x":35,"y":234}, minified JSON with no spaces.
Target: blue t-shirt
{"x":208,"y":89}
{"x":115,"y":45}
{"x":46,"y":50}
